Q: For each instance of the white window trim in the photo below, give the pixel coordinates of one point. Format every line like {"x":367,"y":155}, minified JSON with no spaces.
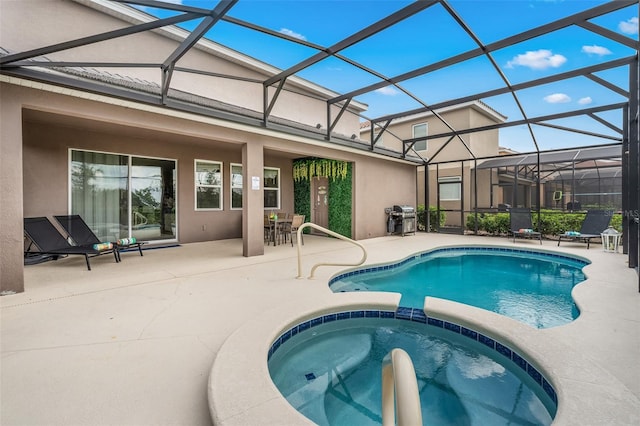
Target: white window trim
{"x":272,"y":189}
{"x":451,"y":179}
{"x":231,"y":187}
{"x":195,"y":185}
{"x":413,"y":134}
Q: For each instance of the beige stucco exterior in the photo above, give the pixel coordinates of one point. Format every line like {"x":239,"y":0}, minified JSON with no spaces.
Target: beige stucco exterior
{"x":47,"y":125}
{"x":42,"y":122}
{"x":448,"y":153}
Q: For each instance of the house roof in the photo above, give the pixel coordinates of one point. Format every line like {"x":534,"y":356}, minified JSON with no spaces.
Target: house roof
{"x":477,"y":105}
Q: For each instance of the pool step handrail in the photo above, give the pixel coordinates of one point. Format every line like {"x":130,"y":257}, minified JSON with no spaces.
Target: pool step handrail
{"x":333,"y":234}
{"x":400,"y":397}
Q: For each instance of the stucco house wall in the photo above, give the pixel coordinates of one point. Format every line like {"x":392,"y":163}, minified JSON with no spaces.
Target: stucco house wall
{"x":482,"y":144}
{"x":48,"y":121}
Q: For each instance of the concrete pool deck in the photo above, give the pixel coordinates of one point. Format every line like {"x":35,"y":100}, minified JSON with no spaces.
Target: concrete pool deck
{"x":133,"y":343}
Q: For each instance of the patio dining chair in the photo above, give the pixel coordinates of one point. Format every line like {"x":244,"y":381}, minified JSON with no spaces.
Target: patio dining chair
{"x":292,"y":227}
{"x":520,"y":224}
{"x":82,"y":234}
{"x":592,"y":226}
{"x":46,"y":239}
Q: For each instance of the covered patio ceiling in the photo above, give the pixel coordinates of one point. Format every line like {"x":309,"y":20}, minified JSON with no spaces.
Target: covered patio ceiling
{"x":344,"y":44}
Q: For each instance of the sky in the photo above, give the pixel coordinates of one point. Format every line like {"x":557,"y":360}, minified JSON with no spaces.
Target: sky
{"x":431,"y":36}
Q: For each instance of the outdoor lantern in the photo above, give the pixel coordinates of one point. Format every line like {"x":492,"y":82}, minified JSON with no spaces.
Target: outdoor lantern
{"x":610,"y":239}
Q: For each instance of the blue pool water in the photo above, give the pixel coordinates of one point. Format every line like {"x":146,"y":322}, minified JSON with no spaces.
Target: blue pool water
{"x":531,"y":287}
{"x":331,"y":373}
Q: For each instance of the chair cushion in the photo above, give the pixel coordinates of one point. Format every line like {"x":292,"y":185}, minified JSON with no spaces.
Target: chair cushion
{"x":103,"y":246}
{"x":126,"y":241}
{"x":525,"y":230}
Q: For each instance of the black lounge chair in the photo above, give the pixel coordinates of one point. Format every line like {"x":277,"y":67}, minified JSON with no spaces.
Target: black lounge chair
{"x":521,"y":225}
{"x":593,"y":224}
{"x":80,"y":232}
{"x":46,"y":239}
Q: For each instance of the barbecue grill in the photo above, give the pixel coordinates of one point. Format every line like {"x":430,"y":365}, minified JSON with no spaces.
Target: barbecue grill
{"x":402,"y":220}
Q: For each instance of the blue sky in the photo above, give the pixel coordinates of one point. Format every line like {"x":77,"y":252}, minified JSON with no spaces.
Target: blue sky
{"x":431,"y":36}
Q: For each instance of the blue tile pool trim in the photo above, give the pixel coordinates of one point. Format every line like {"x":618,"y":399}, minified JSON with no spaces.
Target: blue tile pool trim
{"x":418,"y":315}
{"x":462,"y":249}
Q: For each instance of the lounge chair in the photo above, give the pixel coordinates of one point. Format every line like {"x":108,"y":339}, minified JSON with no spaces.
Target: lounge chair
{"x":46,"y":239}
{"x":521,"y":225}
{"x":593,"y":224}
{"x":80,"y":232}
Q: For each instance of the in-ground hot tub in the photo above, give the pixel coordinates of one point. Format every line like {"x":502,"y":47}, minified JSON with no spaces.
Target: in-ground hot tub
{"x":329,"y":369}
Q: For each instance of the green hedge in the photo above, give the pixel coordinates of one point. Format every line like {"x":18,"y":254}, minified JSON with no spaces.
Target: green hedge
{"x":302,"y":200}
{"x":340,"y":202}
{"x":551,"y":222}
{"x":433,"y":218}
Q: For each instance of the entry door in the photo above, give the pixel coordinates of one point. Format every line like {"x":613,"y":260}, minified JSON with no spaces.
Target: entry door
{"x":320,"y":194}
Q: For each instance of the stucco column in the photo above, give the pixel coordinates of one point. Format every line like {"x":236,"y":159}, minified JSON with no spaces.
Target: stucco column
{"x":11,"y":226}
{"x":252,"y":199}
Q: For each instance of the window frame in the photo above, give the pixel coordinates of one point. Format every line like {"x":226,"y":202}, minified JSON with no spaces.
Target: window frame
{"x":129,"y":196}
{"x":232,"y":186}
{"x":264,"y":187}
{"x":426,"y":133}
{"x":277,"y":190}
{"x":196,"y":185}
{"x":450,"y":180}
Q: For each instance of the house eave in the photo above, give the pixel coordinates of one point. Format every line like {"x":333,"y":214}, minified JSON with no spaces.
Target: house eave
{"x":135,"y":16}
{"x":64,"y":85}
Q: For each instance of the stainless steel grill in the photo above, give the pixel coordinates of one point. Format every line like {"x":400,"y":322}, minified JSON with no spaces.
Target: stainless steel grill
{"x":401,"y":220}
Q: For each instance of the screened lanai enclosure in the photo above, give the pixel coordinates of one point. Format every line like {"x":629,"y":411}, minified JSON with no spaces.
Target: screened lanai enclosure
{"x":544,"y":149}
{"x":559,"y":181}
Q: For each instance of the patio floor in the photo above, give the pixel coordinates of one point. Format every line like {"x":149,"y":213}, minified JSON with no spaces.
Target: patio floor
{"x":133,"y":343}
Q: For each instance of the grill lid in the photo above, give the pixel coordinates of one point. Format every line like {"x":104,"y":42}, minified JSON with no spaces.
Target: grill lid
{"x":403,"y":209}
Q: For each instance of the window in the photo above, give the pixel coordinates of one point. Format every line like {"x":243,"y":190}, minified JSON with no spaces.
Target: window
{"x":121,"y":196}
{"x":208,"y":185}
{"x":420,"y":130}
{"x":271,"y":188}
{"x":236,"y":186}
{"x":450,"y":188}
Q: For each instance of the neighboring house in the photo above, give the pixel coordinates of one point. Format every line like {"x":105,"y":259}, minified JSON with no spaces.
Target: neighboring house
{"x":451,"y":165}
{"x":198,"y":166}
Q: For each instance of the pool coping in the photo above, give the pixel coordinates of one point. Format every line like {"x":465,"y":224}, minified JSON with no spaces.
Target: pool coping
{"x":249,"y":394}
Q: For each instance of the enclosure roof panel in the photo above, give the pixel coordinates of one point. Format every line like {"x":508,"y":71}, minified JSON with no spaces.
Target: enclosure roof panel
{"x":551,"y":157}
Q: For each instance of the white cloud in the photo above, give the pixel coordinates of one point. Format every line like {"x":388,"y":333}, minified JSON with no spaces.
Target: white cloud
{"x":537,"y":60}
{"x":388,"y":91}
{"x":629,"y":26}
{"x":557,"y":98}
{"x":596,"y":50}
{"x":292,"y":33}
{"x":585,"y":101}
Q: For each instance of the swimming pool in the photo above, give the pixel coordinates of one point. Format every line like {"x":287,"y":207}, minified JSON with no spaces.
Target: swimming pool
{"x":330,"y":371}
{"x":533,"y":287}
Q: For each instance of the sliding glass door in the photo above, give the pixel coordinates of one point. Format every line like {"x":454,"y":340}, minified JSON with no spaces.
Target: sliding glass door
{"x":153,"y":197}
{"x":122,"y":196}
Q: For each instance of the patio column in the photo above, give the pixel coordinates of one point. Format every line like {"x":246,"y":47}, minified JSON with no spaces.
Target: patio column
{"x":11,"y":226}
{"x":252,"y":199}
